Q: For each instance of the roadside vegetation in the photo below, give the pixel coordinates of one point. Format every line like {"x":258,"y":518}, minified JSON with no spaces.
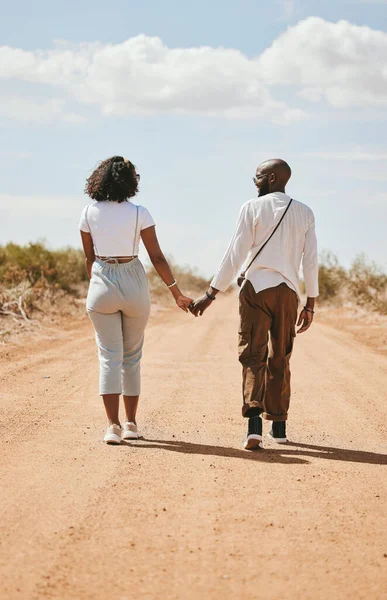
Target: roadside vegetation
{"x":36,"y":282}
{"x":364,"y":284}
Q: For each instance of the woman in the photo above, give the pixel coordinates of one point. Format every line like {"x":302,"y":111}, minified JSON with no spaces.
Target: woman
{"x":118,"y":301}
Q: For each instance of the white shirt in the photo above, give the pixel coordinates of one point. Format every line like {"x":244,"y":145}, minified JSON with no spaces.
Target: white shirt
{"x":293,"y":242}
{"x":115,"y":226}
{"x":267,"y":278}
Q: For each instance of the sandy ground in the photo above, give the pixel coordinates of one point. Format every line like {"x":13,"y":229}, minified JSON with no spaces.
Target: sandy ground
{"x":186,"y":513}
{"x":366,"y":327}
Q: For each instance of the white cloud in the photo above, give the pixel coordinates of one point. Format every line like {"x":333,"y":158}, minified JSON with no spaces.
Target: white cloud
{"x":340,"y":64}
{"x":143,"y":76}
{"x":29,"y":110}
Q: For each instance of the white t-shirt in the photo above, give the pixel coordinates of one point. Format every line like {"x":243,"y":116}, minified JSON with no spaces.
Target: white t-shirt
{"x":115,"y":226}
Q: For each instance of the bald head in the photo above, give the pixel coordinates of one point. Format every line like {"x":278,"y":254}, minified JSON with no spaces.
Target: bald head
{"x":272,"y":176}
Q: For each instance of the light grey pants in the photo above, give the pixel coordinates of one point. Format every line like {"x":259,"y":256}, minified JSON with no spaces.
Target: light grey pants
{"x":118,"y":304}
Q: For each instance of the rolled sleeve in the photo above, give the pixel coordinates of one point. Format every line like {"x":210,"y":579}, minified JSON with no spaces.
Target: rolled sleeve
{"x":83,"y":224}
{"x":310,"y":262}
{"x":237,"y":251}
{"x":146,"y":219}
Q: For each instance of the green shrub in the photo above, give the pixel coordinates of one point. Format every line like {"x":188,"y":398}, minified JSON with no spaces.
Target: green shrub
{"x":35,"y":263}
{"x":367,"y":284}
{"x":33,"y":270}
{"x":364,"y":284}
{"x":332,"y":277}
{"x":32,"y":278}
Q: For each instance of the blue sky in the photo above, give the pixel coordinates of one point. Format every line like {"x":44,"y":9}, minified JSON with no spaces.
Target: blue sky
{"x":196,"y":95}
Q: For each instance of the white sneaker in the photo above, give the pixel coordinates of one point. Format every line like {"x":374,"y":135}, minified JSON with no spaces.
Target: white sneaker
{"x":277,"y":433}
{"x":253,"y":441}
{"x":277,"y":440}
{"x":113,"y":434}
{"x":131,"y":431}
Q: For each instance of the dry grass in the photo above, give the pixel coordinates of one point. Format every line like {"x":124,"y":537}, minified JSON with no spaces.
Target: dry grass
{"x":42,"y":287}
{"x":39,"y":286}
{"x":363,"y":285}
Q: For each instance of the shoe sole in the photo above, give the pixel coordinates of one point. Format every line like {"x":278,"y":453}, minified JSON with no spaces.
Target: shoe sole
{"x":132,"y":437}
{"x":277,"y":440}
{"x":114,"y":441}
{"x":253,"y":443}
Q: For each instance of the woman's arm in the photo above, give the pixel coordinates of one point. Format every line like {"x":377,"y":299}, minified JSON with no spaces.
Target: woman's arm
{"x":162,"y":267}
{"x":88,"y":248}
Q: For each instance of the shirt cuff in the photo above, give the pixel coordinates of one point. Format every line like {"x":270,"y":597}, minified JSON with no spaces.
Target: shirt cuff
{"x":311,"y":291}
{"x":218,"y":284}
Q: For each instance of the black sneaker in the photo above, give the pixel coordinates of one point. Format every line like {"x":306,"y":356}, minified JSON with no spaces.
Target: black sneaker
{"x":254,"y":434}
{"x":278,"y":432}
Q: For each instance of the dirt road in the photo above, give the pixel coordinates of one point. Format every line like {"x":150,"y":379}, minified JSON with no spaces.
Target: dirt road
{"x":186,"y":513}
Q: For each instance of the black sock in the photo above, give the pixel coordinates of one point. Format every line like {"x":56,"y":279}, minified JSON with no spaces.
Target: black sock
{"x":255,"y":426}
{"x":279,"y":429}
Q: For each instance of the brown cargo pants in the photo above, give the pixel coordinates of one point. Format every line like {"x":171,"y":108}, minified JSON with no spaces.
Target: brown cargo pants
{"x":265,"y":360}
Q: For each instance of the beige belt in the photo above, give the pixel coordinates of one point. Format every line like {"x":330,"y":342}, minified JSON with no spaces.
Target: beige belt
{"x":115,"y":259}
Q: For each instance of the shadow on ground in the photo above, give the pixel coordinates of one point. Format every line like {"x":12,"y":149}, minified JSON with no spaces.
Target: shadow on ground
{"x":291,"y":453}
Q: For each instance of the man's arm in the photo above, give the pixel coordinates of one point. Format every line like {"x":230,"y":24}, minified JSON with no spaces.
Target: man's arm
{"x":237,"y":251}
{"x":310,"y":270}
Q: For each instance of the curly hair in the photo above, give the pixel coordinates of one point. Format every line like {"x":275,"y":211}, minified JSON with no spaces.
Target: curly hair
{"x":114,"y":180}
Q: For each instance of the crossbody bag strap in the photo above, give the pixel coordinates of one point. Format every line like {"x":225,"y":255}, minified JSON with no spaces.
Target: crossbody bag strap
{"x":135,"y":230}
{"x":135,"y":233}
{"x":271,"y":235}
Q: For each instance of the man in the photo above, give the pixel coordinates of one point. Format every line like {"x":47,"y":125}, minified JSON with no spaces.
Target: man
{"x":268,"y":301}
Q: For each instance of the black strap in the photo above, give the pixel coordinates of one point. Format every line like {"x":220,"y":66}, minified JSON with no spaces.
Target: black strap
{"x":135,"y":230}
{"x":269,"y":238}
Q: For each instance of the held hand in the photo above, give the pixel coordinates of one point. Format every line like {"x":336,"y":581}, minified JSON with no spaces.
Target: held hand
{"x":200,"y":305}
{"x":183,"y":302}
{"x":305,"y":319}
